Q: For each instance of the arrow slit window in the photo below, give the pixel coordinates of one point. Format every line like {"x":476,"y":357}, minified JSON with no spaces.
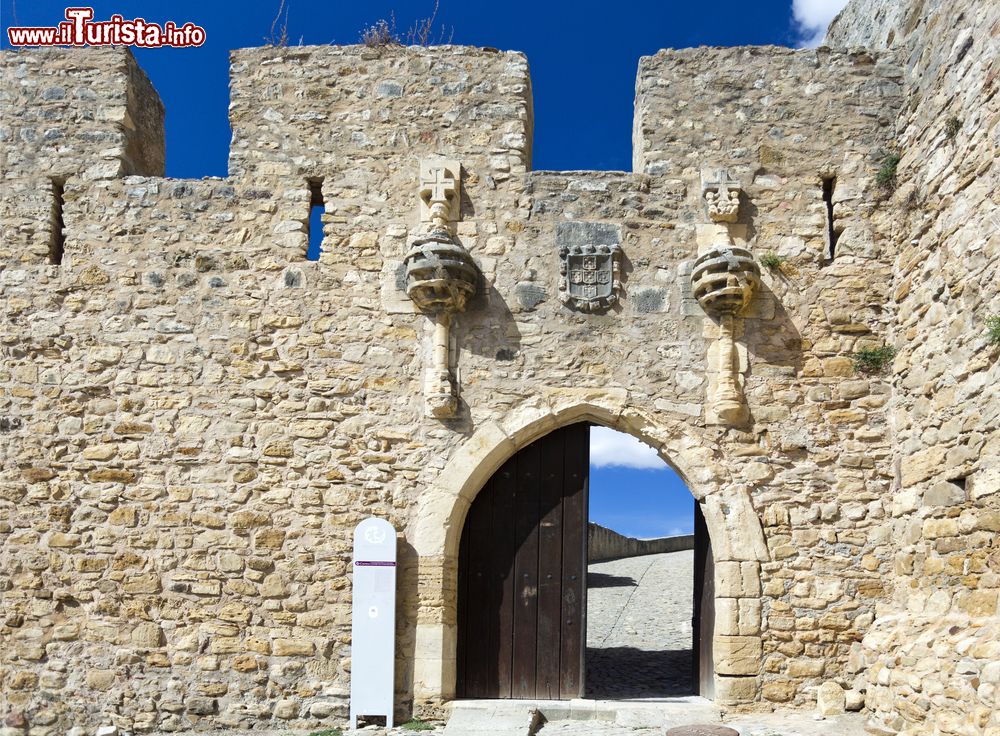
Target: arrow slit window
{"x":317,"y":208}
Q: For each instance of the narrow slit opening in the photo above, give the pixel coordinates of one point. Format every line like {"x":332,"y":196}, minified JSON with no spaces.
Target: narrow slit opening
{"x":57,"y":238}
{"x":314,"y":228}
{"x":832,"y":232}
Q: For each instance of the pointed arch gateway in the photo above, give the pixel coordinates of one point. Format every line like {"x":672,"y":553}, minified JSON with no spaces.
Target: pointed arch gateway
{"x":737,"y":542}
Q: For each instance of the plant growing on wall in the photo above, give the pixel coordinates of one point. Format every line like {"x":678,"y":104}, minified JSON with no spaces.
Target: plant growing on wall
{"x":383,"y":33}
{"x":771,"y":260}
{"x":993,"y":329}
{"x":421,"y":33}
{"x":886,"y":176}
{"x":873,"y":360}
{"x":951,"y":127}
{"x":279,"y":34}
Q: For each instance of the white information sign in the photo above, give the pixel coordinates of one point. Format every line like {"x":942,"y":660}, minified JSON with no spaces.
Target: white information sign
{"x":373,"y":621}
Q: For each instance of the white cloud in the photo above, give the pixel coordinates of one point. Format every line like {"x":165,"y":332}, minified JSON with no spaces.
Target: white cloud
{"x":812,"y":17}
{"x":608,"y":447}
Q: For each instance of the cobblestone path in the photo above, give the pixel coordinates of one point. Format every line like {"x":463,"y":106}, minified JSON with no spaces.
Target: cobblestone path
{"x":639,"y":627}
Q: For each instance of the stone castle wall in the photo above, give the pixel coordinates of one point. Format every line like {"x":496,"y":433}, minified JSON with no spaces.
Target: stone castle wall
{"x":91,"y":117}
{"x":932,"y":656}
{"x":607,"y":544}
{"x":195,"y":416}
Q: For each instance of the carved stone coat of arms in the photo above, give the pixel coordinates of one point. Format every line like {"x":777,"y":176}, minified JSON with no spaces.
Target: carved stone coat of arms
{"x":590,"y":276}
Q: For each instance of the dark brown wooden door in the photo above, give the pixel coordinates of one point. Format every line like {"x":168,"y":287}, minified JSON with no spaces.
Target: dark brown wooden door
{"x":703,"y":620}
{"x":522,"y":575}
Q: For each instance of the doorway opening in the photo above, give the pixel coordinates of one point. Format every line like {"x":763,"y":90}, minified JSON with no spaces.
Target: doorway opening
{"x":526,"y":629}
{"x":640,"y":581}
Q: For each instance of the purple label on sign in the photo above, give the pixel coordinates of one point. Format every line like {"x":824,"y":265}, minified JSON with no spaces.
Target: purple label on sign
{"x":374,"y":563}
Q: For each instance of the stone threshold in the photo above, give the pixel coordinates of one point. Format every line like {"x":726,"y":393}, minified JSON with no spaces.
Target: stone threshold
{"x":631,"y":713}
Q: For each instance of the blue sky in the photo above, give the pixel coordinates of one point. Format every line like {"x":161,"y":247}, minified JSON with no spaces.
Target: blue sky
{"x":583,"y":56}
{"x":633,"y":491}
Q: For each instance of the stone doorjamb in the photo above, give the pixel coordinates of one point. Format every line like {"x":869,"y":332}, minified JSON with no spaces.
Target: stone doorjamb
{"x":734,"y":528}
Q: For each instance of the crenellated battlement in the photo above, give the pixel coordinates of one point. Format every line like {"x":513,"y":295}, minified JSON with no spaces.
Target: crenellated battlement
{"x":92,"y":114}
{"x":309,"y":111}
{"x":351,"y":122}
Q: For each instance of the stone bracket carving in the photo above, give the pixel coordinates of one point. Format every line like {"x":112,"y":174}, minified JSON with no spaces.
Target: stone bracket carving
{"x":440,"y":385}
{"x":441,"y":277}
{"x":440,"y":191}
{"x":723,"y":281}
{"x":721,"y":195}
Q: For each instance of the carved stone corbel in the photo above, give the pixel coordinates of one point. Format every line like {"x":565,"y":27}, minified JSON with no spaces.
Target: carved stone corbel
{"x":440,"y":277}
{"x":723,"y":281}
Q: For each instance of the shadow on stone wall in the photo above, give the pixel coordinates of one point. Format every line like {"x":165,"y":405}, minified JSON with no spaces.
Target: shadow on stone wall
{"x":407,"y":602}
{"x":487,"y":328}
{"x":777,"y":340}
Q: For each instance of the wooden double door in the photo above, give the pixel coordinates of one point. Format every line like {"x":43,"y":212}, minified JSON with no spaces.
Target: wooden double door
{"x":522,"y":577}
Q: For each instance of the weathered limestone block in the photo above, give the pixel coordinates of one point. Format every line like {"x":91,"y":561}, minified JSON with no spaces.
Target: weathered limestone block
{"x":737,"y":616}
{"x":147,"y":635}
{"x":734,"y":690}
{"x":779,"y":691}
{"x":737,"y":655}
{"x":737,"y":579}
{"x":292,"y":648}
{"x":101,"y":679}
{"x":803,"y":668}
{"x":743,"y":538}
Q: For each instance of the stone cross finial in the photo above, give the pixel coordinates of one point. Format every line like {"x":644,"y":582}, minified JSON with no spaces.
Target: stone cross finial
{"x":438,"y":184}
{"x":721,"y":195}
{"x":440,"y":192}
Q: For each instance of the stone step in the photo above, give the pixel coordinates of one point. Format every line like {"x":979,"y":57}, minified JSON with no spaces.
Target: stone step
{"x":495,"y":717}
{"x":494,"y":714}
